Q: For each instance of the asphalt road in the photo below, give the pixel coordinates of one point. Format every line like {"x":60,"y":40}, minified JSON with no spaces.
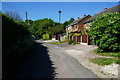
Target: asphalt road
{"x":50,"y":61}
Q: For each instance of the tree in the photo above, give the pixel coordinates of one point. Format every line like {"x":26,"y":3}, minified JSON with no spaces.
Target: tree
{"x":105,"y":30}
{"x":68,"y":22}
{"x":57,"y":29}
{"x":29,"y":24}
{"x":40,"y":27}
{"x":14,"y":15}
{"x":45,"y":26}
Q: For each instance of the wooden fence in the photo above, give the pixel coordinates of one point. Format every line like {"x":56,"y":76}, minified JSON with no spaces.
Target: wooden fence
{"x":82,"y":38}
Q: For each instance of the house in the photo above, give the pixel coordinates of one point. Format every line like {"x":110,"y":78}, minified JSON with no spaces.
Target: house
{"x":106,"y":10}
{"x":74,"y":30}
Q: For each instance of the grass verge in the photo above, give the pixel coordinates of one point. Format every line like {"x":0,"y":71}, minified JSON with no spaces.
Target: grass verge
{"x":57,"y":43}
{"x":113,"y":54}
{"x":105,"y":61}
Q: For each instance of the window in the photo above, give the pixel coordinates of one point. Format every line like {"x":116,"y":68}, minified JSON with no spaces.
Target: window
{"x":72,"y":26}
{"x":68,"y":28}
{"x":87,"y":25}
{"x":76,"y":26}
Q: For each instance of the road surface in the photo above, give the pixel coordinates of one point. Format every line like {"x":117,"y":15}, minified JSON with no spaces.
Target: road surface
{"x":50,"y":61}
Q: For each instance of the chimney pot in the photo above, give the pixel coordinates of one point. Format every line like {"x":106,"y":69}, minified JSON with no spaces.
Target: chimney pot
{"x":78,"y":17}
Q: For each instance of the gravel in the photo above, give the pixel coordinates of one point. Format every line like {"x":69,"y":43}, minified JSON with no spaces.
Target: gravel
{"x":111,"y":69}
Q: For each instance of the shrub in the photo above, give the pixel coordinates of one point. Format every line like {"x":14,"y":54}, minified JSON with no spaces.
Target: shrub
{"x":46,"y":37}
{"x":105,"y":31}
{"x":76,"y":34}
{"x":17,"y":42}
{"x":70,"y":42}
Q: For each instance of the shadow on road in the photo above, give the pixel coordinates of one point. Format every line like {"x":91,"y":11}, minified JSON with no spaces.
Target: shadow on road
{"x":38,"y":65}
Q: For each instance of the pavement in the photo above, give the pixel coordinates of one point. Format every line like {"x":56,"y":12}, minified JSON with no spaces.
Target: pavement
{"x":51,"y":61}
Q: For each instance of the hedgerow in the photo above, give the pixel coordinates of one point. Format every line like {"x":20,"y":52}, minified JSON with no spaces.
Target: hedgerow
{"x":17,"y":41}
{"x":105,"y":31}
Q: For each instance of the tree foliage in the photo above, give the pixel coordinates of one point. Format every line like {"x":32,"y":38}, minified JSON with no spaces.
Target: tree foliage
{"x":68,"y":22}
{"x":105,"y":30}
{"x":14,"y":15}
{"x":40,"y":27}
{"x":57,"y":29}
{"x":44,"y":26}
{"x":17,"y":41}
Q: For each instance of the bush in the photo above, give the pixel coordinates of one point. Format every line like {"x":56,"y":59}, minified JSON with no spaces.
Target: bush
{"x":76,"y":34}
{"x":46,"y":37}
{"x":70,"y":42}
{"x":105,"y":31}
{"x":17,"y":42}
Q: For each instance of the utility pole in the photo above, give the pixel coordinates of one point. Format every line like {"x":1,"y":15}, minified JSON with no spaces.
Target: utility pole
{"x":26,"y":16}
{"x":59,"y":15}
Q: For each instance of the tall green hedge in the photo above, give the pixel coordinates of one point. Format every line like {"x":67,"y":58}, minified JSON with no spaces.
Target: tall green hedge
{"x":105,"y":30}
{"x":17,"y":41}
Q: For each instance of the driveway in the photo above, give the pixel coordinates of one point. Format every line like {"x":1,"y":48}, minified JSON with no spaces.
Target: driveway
{"x":51,"y":61}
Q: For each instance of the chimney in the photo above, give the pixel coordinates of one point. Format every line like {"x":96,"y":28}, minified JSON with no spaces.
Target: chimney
{"x":105,"y":8}
{"x":84,"y":15}
{"x":72,"y":19}
{"x":78,"y":17}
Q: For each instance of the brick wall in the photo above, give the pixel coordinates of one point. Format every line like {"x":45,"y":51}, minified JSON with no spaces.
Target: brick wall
{"x":81,"y":24}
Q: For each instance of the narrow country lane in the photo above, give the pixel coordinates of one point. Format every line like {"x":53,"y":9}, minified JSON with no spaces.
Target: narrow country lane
{"x":50,"y":61}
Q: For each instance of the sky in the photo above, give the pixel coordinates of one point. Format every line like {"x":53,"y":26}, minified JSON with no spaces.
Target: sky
{"x":60,"y":0}
{"x":40,"y":10}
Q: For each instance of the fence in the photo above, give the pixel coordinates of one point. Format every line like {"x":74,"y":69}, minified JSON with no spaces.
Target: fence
{"x":82,"y":38}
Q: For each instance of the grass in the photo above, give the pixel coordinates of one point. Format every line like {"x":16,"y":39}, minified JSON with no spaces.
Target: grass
{"x":76,"y":43}
{"x":113,"y":54}
{"x":63,"y":43}
{"x":43,"y":39}
{"x":57,"y":43}
{"x":105,"y":61}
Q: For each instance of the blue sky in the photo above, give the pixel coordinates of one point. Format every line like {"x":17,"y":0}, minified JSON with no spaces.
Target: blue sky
{"x":39,"y":10}
{"x":60,"y":0}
